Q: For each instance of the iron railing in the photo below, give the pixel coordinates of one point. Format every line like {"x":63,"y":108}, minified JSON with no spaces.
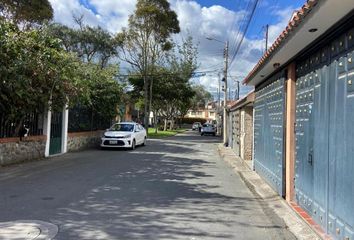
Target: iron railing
{"x":82,"y":119}
{"x":30,"y":124}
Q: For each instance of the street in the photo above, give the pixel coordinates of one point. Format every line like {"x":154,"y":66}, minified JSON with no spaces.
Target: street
{"x":173,"y":188}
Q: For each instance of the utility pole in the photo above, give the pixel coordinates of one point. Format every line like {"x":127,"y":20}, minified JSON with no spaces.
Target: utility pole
{"x":225,"y":118}
{"x":238,"y":90}
{"x":267,"y":31}
{"x":226,"y":61}
{"x":219,"y":92}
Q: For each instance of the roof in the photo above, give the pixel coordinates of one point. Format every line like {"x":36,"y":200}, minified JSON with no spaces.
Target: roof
{"x":295,"y":21}
{"x":314,"y":14}
{"x":249,"y":98}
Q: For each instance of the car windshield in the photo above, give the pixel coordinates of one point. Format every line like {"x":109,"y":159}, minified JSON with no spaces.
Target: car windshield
{"x":206,"y":125}
{"x":122,"y":127}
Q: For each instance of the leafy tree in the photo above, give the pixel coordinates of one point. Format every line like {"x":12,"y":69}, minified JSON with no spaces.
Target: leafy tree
{"x":147,"y":37}
{"x":95,"y":47}
{"x":26,"y":11}
{"x":102,"y":92}
{"x":37,"y":73}
{"x":201,"y":98}
{"x":34,"y":72}
{"x":91,"y":44}
{"x":184,"y":62}
{"x":171,"y":92}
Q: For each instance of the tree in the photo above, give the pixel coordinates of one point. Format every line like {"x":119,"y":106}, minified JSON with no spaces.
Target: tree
{"x":36,"y":73}
{"x":26,"y":11}
{"x":172,"y":91}
{"x":91,"y":44}
{"x":201,"y":98}
{"x":147,"y":37}
{"x":184,"y":62}
{"x":103,"y":92}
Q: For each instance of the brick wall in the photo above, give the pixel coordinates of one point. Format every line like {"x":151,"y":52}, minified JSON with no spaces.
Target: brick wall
{"x":83,"y":140}
{"x":12,"y":150}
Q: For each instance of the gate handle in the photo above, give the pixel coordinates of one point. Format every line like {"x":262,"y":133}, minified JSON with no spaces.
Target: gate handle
{"x":310,"y":158}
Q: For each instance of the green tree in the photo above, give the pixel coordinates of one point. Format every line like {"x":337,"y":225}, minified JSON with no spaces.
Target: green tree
{"x":35,"y":72}
{"x":95,"y":47}
{"x":147,"y":37}
{"x":26,"y":11}
{"x":102,"y":92}
{"x":184,"y":62}
{"x":91,"y":44}
{"x":172,"y":91}
{"x":201,"y":97}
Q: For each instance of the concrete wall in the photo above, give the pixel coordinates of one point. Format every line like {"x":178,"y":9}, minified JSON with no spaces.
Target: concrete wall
{"x":12,"y":150}
{"x":83,"y":140}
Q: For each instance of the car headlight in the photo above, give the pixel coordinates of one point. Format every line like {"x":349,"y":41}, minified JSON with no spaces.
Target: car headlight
{"x":128,"y":136}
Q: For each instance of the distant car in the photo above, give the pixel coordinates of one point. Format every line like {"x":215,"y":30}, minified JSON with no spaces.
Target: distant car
{"x":196,"y":126}
{"x":124,"y":135}
{"x":208,"y":128}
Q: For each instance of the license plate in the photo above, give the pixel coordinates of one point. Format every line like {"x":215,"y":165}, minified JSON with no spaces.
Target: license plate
{"x":113,"y":142}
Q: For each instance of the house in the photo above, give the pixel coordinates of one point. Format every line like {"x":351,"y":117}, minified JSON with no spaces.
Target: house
{"x":241,"y":132}
{"x":209,"y":112}
{"x":304,"y":111}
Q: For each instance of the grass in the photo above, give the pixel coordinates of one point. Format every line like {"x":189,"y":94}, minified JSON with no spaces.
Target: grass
{"x":163,"y":134}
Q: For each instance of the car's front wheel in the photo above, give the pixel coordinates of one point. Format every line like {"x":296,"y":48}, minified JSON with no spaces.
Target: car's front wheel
{"x":144,"y":143}
{"x":133,"y":145}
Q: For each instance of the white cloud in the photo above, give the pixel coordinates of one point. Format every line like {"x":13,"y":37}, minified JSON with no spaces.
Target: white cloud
{"x":215,"y":21}
{"x":65,"y":9}
{"x":284,"y":16}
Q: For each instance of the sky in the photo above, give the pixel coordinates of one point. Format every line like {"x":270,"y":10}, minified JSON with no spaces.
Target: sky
{"x":217,"y":19}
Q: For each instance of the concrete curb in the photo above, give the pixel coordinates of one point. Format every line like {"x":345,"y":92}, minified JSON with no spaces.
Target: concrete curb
{"x":258,"y":186}
{"x":27,"y":229}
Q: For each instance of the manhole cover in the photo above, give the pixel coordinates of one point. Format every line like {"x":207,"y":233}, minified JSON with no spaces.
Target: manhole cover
{"x":27,"y":230}
{"x":18,"y":231}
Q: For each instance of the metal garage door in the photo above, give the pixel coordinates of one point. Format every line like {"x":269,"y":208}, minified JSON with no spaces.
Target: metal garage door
{"x":268,"y":133}
{"x":324,"y":170}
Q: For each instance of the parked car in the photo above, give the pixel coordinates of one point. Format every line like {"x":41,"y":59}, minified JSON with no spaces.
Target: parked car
{"x":124,"y":135}
{"x":208,"y":128}
{"x":196,"y":126}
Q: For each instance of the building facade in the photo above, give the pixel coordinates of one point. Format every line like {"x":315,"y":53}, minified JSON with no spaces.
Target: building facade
{"x":241,"y":119}
{"x":209,"y":112}
{"x":303,"y":112}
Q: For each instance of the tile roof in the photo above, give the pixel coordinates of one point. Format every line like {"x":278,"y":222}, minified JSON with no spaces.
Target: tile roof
{"x":295,"y":21}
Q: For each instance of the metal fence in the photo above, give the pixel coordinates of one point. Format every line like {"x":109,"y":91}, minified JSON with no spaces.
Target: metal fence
{"x":29,"y":125}
{"x":82,"y":119}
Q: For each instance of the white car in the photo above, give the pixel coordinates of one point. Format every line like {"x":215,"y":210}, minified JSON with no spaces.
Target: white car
{"x":124,"y":135}
{"x":208,"y":129}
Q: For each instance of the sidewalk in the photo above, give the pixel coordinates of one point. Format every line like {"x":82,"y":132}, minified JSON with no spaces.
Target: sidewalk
{"x":259,"y":187}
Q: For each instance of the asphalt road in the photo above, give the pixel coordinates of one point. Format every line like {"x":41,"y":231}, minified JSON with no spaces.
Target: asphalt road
{"x":175,"y":188}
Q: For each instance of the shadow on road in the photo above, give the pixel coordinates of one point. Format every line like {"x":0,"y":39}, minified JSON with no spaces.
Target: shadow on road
{"x":150,"y":193}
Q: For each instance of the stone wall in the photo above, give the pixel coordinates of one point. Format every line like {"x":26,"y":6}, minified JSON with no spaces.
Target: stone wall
{"x":12,"y":150}
{"x":83,"y":140}
{"x":249,"y":133}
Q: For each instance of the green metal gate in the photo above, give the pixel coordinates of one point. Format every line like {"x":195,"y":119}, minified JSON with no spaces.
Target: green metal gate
{"x":56,"y":133}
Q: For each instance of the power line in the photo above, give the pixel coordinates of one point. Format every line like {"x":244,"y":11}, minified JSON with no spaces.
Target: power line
{"x":244,"y":33}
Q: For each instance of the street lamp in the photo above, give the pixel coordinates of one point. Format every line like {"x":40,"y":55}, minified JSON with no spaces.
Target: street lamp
{"x":226,"y":62}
